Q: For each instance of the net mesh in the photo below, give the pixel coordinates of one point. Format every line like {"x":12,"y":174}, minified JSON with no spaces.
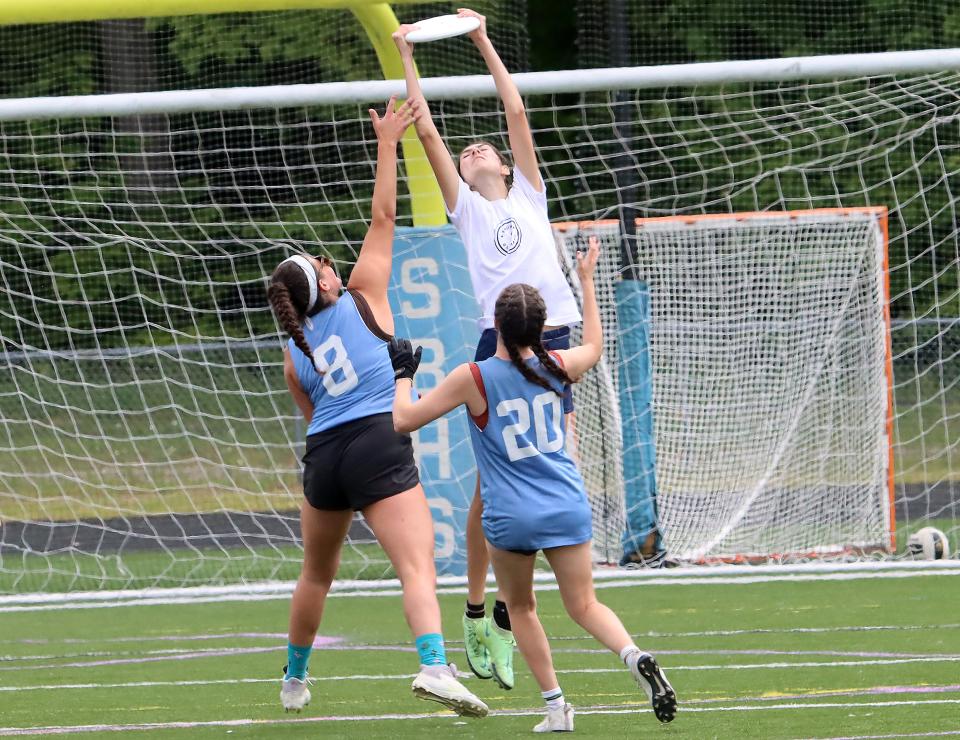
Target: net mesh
{"x":625,"y":33}
{"x":146,"y":436}
{"x":768,"y":353}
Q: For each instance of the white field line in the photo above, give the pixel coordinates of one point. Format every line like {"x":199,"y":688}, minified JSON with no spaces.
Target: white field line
{"x":570,"y":638}
{"x":945,"y":733}
{"x":599,"y":574}
{"x":218,"y":652}
{"x":271,"y":592}
{"x":78,"y":729}
{"x":779,"y":665}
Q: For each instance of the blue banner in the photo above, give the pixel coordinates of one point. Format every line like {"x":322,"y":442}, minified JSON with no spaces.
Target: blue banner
{"x":432,"y":300}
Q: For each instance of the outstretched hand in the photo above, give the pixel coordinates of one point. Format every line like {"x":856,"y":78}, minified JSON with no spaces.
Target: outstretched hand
{"x":404,"y":359}
{"x":400,"y":39}
{"x":395,"y":121}
{"x":480,"y":32}
{"x":587,"y":263}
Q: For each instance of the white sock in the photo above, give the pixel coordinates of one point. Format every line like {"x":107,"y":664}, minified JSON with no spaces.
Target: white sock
{"x":553,"y":698}
{"x":436,"y":670}
{"x":627,"y":651}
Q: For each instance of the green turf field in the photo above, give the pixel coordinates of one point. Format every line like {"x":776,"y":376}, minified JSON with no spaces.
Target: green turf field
{"x":786,"y":659}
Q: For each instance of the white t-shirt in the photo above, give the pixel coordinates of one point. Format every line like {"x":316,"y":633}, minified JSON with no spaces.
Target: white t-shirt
{"x":511,"y":241}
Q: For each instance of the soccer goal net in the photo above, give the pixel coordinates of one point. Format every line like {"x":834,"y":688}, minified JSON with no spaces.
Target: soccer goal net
{"x":768,"y":344}
{"x":147,"y":438}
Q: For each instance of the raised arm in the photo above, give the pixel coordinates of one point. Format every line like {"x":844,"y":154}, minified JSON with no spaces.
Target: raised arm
{"x":437,"y":153}
{"x":518,"y":127}
{"x":371,"y":274}
{"x":578,"y":360}
{"x":455,"y":389}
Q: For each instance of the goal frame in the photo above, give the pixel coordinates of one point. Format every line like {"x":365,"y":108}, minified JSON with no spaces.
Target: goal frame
{"x":534,"y":83}
{"x":880,"y":213}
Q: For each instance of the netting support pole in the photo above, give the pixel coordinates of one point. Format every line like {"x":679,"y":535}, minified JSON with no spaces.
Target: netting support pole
{"x":641,"y":534}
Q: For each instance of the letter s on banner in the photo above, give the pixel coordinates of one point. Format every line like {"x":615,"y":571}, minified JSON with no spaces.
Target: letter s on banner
{"x":443,"y":531}
{"x":428,"y":289}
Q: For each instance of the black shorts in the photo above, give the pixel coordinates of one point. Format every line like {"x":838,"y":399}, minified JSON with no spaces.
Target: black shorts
{"x":357,"y":464}
{"x":552,"y":340}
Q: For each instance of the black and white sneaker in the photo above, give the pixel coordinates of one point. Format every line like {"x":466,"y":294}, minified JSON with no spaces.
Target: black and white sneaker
{"x":650,"y":677}
{"x":637,"y":560}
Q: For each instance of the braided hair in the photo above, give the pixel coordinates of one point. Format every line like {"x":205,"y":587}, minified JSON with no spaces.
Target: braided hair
{"x":520,"y":314}
{"x":289,"y":295}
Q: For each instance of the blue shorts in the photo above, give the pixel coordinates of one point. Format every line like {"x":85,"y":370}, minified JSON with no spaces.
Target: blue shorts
{"x":552,"y":340}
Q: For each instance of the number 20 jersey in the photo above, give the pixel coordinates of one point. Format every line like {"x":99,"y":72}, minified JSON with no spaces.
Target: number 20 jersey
{"x":533,"y":495}
{"x":359,"y":380}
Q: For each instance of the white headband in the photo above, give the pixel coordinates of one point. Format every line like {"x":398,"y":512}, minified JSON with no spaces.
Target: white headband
{"x":311,"y":274}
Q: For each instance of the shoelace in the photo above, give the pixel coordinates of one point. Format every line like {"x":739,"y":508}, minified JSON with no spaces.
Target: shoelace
{"x":474,"y":641}
{"x":309,"y":680}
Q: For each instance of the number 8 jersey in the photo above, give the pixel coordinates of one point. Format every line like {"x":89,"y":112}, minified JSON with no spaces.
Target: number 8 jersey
{"x":359,"y":380}
{"x":533,"y":495}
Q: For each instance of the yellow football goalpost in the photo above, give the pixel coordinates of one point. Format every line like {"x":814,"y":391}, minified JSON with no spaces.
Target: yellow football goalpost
{"x":377,"y":19}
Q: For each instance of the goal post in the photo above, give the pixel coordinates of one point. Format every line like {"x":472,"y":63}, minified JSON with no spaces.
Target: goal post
{"x":770,"y":374}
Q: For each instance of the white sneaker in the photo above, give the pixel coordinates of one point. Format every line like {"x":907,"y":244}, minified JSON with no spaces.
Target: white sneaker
{"x":294,"y":694}
{"x":439,"y":683}
{"x":650,"y":677}
{"x":557,"y":720}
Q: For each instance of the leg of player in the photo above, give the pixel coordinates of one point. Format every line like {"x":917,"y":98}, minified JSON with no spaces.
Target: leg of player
{"x":495,"y":641}
{"x":404,"y":528}
{"x":573,"y":570}
{"x":474,"y":619}
{"x":323,"y":533}
{"x":514,"y":574}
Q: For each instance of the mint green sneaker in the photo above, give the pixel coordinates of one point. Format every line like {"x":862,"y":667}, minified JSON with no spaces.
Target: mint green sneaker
{"x":500,"y":644}
{"x":477,"y":656}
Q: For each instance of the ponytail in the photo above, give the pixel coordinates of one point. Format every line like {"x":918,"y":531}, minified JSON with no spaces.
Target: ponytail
{"x":525,"y":370}
{"x":520,"y":314}
{"x":549,"y":364}
{"x":279,"y":296}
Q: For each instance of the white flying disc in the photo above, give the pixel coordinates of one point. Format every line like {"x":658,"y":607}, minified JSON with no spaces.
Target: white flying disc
{"x":442,"y":27}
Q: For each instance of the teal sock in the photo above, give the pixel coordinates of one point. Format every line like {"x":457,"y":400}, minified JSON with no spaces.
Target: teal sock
{"x":297,"y":658}
{"x":430,"y":647}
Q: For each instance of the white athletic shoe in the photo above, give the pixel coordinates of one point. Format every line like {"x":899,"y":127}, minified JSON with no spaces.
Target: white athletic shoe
{"x":294,"y":694}
{"x":439,"y":683}
{"x":557,"y":720}
{"x":650,"y":677}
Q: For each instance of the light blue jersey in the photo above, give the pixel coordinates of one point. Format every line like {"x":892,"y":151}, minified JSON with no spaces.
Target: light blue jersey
{"x":533,"y":495}
{"x":359,"y":380}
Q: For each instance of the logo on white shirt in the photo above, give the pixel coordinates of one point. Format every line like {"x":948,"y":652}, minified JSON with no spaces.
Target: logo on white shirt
{"x":508,"y":236}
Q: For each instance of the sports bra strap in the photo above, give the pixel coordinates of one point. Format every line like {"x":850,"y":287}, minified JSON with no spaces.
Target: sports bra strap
{"x":482,"y":419}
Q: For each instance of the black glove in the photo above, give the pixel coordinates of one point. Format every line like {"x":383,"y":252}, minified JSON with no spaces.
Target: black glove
{"x":405,"y":361}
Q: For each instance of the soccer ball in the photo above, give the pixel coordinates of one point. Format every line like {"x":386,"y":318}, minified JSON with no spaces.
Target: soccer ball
{"x":928,"y":543}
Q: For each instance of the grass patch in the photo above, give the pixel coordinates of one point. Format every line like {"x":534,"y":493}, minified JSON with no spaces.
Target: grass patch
{"x":738,"y":656}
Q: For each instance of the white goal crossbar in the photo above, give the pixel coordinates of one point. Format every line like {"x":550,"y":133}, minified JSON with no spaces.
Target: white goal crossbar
{"x":479,"y":86}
